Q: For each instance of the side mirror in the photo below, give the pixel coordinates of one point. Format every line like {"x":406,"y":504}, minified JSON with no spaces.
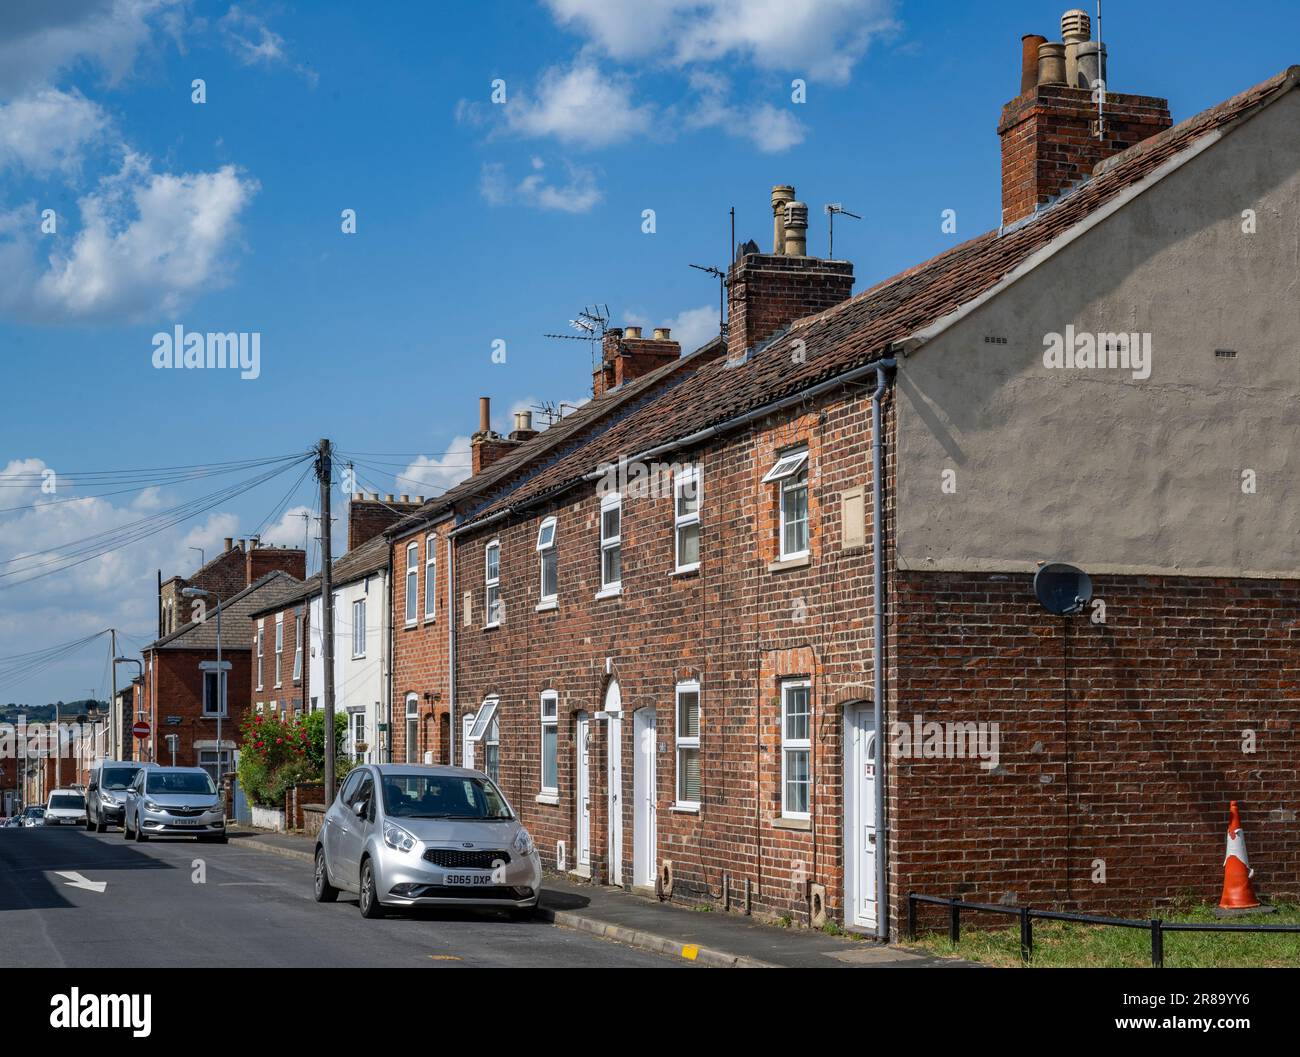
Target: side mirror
{"x":359,"y":808}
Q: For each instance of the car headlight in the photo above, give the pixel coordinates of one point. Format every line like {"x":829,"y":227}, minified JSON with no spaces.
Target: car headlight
{"x":524,"y":842}
{"x":396,"y":837}
{"x":149,"y":805}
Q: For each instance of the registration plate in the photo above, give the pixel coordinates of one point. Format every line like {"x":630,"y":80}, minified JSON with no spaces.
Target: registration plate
{"x":481,"y":877}
{"x":183,"y":822}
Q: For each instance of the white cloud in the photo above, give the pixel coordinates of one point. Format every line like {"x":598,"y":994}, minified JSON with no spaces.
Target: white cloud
{"x":147,"y":243}
{"x":579,"y":194}
{"x":769,"y":128}
{"x":42,"y":38}
{"x":690,"y":328}
{"x":821,"y":39}
{"x":579,"y":106}
{"x":49,"y":131}
{"x":439,"y":472}
{"x":254,"y":43}
{"x":291,"y":530}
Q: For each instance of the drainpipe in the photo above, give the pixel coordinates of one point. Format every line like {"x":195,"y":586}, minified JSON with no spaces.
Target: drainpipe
{"x":878,"y":641}
{"x":453,"y":731}
{"x":391,"y":652}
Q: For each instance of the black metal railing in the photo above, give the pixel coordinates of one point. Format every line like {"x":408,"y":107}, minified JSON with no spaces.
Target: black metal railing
{"x":1028,"y":915}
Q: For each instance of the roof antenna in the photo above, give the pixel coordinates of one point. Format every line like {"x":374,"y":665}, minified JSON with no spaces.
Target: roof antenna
{"x":590,"y":325}
{"x":831,"y":210}
{"x":722,"y":287}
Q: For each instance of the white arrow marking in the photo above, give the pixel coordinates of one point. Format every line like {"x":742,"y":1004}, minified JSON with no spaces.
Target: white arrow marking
{"x":75,"y":880}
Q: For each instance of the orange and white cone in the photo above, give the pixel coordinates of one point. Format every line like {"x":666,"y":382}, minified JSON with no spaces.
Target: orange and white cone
{"x":1238,"y":892}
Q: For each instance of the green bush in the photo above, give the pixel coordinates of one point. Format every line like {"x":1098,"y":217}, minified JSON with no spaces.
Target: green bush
{"x":277,"y":754}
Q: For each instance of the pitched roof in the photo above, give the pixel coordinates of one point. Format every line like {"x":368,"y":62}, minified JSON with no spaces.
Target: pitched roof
{"x":236,"y":631}
{"x":865,"y":327}
{"x":556,"y":441}
{"x":363,"y":560}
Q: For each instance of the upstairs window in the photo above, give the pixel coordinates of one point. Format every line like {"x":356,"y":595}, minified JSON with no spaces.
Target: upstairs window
{"x":359,"y":628}
{"x":547,"y":562}
{"x":492,"y":583}
{"x":297,"y":649}
{"x":790,"y":475}
{"x":611,"y":544}
{"x":279,"y":644}
{"x":430,"y":577}
{"x":412,"y":583}
{"x":686,"y":518}
{"x":261,"y":650}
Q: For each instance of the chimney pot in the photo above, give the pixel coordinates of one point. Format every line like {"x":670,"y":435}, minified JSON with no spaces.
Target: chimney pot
{"x":406,"y":498}
{"x":523,"y":420}
{"x":484,"y":414}
{"x":1051,"y":63}
{"x":230,"y":542}
{"x":631,"y":332}
{"x":662,"y":333}
{"x":388,"y":497}
{"x":419,"y":499}
{"x":796,"y":229}
{"x":1029,"y":61}
{"x":782,"y":194}
{"x":1092,"y":63}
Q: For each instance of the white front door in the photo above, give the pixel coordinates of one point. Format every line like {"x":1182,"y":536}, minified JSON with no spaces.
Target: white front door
{"x":582,"y":794}
{"x":644,"y":853}
{"x":614,"y":723}
{"x":860,"y":817}
{"x":467,"y":746}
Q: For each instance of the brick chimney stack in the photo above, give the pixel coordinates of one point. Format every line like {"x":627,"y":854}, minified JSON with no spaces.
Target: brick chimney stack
{"x":486,"y":446}
{"x":1054,"y":133}
{"x":368,"y":517}
{"x":626,"y":355}
{"x":768,"y":291}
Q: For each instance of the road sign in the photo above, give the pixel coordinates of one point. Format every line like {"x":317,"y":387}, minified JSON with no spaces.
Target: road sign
{"x":211,"y":666}
{"x":141,"y":730}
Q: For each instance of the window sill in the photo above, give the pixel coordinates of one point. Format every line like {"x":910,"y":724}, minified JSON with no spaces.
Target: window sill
{"x":799,"y":561}
{"x":429,"y":618}
{"x":547,"y":606}
{"x":547,"y":798}
{"x":609,"y":592}
{"x":492,"y":627}
{"x":685,"y":809}
{"x":801,"y":825}
{"x":410,"y":625}
{"x":686,"y":570}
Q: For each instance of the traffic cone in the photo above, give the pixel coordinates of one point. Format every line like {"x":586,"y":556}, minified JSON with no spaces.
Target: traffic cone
{"x":1238,"y":892}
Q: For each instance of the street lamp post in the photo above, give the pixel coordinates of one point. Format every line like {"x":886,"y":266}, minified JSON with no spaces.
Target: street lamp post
{"x":140,"y":674}
{"x":198,"y":592}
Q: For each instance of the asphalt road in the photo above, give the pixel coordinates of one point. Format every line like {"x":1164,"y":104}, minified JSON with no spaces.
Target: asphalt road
{"x":252,"y":909}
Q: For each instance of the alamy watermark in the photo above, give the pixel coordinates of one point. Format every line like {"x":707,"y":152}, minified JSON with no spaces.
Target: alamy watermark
{"x":214,"y":350}
{"x":924,"y":739}
{"x":1081,"y":350}
{"x":644,"y":480}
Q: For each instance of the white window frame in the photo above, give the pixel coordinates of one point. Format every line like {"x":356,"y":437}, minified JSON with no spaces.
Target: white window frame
{"x":611,"y":543}
{"x":790,"y":471}
{"x":687,"y":475}
{"x":297,"y":649}
{"x":279,"y":648}
{"x":484,"y":717}
{"x":689,"y":742}
{"x":786,"y":466}
{"x":261,"y":651}
{"x":355,"y":715}
{"x":358,"y":628}
{"x":492,"y":586}
{"x":412,"y":584}
{"x":223,"y":690}
{"x":430,"y":577}
{"x":795,"y":745}
{"x":544,"y":550}
{"x":550,"y":720}
{"x":412,"y":717}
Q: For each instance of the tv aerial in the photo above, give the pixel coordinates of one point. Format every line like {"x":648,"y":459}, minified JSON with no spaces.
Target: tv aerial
{"x":831,"y":210}
{"x":1062,"y":589}
{"x":591,"y":324}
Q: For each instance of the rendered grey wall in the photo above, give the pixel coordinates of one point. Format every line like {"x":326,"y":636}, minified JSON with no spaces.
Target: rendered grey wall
{"x":1094,"y":466}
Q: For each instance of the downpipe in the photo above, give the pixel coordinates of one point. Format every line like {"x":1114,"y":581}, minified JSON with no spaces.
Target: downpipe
{"x":878,"y":641}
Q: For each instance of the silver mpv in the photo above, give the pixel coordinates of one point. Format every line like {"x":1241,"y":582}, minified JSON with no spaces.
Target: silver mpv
{"x":173,"y":802}
{"x":411,"y":835}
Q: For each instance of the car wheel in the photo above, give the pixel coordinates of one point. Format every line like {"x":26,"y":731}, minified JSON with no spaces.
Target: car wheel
{"x":140,"y":838}
{"x":100,"y":825}
{"x":368,"y":901}
{"x":89,"y":825}
{"x":325,"y":892}
{"x":126,"y":829}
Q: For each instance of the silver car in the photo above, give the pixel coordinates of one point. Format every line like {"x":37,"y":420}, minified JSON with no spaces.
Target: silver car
{"x":173,"y":802}
{"x":403,"y":835}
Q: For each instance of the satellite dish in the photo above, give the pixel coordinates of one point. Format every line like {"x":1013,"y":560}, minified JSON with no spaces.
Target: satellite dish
{"x":1062,"y":589}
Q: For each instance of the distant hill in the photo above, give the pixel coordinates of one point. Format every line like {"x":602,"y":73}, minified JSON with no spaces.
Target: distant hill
{"x":67,"y":711}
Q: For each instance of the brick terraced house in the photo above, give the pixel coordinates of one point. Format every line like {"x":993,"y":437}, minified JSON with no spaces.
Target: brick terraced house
{"x":681,"y":624}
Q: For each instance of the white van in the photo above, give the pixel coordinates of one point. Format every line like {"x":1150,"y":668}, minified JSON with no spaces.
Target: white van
{"x":66,"y":807}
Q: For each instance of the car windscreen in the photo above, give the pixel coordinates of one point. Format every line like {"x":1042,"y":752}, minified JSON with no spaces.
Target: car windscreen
{"x":117,"y":777}
{"x":34,"y":812}
{"x":179,"y":782}
{"x":442,"y":796}
{"x":74,"y":801}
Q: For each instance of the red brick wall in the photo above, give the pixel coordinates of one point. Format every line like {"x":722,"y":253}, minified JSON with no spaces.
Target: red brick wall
{"x":367,"y":518}
{"x":179,"y":686}
{"x":420,"y":651}
{"x":1048,"y":141}
{"x":767,"y":292}
{"x":262,"y":560}
{"x":1133,"y":765}
{"x":292,"y":694}
{"x":735,"y":625}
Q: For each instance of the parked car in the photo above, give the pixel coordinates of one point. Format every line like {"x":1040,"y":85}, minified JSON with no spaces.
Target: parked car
{"x":173,"y":802}
{"x":66,"y":807}
{"x":411,"y":835}
{"x":33,"y":816}
{"x":13,"y":822}
{"x":106,"y":792}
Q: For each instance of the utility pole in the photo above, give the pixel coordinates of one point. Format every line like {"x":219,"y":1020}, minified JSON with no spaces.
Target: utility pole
{"x":114,"y":721}
{"x":324,"y":474}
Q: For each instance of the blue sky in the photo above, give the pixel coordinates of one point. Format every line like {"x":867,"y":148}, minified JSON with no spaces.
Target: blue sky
{"x":476,"y":222}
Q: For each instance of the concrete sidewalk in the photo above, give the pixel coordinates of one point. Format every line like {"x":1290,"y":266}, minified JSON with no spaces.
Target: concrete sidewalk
{"x":707,"y":937}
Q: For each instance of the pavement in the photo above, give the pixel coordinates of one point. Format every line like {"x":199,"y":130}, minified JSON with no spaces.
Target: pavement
{"x":713,"y":938}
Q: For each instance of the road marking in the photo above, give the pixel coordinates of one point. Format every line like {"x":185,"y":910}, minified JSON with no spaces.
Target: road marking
{"x":445,"y":958}
{"x":690,"y":952}
{"x":75,"y":880}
